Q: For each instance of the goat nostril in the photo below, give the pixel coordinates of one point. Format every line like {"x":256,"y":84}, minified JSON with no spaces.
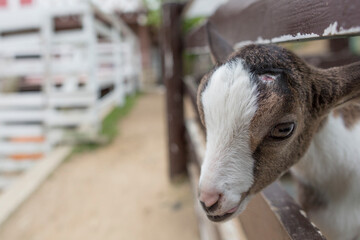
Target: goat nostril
{"x":210,"y":208}
{"x":209,"y":198}
{"x":210,"y":202}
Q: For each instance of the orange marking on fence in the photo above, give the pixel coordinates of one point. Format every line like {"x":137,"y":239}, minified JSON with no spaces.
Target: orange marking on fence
{"x":19,"y":157}
{"x":27,"y":139}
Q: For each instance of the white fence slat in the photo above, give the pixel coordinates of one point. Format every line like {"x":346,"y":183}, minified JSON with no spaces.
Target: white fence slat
{"x":106,"y":77}
{"x":71,"y":100}
{"x":8,"y":131}
{"x":69,"y":118}
{"x":105,"y":59}
{"x":21,"y":47}
{"x":22,"y":116}
{"x":24,"y":100}
{"x":107,"y":103}
{"x":8,"y":165}
{"x":28,"y":20}
{"x":22,"y":68}
{"x":27,"y":183}
{"x":8,"y":148}
{"x":62,"y":67}
{"x":24,"y":44}
{"x":102,"y":29}
{"x":73,"y":56}
{"x":70,"y":37}
{"x":106,"y":48}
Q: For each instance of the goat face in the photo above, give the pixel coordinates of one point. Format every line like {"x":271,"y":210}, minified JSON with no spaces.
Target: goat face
{"x":252,"y":123}
{"x":260,"y":108}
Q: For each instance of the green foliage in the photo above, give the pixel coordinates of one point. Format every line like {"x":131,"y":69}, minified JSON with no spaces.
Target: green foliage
{"x":109,"y":124}
{"x":189,"y":60}
{"x":154,"y":18}
{"x":109,"y":128}
{"x":154,"y":15}
{"x":190,"y":23}
{"x":154,"y":12}
{"x":355,"y":45}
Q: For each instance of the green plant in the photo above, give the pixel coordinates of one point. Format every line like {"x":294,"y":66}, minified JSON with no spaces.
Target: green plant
{"x":109,"y":125}
{"x":109,"y":129}
{"x":154,"y":12}
{"x":190,"y":23}
{"x":154,"y":18}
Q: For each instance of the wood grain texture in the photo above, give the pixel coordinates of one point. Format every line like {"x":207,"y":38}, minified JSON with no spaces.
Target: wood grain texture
{"x":191,"y":90}
{"x":269,"y":21}
{"x":292,"y":217}
{"x":172,"y":47}
{"x":260,"y":222}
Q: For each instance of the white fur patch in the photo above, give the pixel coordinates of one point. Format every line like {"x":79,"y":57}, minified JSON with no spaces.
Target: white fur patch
{"x":332,"y":164}
{"x":229,"y":103}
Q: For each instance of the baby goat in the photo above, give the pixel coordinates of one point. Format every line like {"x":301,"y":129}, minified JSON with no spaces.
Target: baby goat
{"x":265,"y":110}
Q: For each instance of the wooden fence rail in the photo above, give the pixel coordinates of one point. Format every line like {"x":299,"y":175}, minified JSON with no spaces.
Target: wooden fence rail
{"x":276,"y":21}
{"x":172,"y":48}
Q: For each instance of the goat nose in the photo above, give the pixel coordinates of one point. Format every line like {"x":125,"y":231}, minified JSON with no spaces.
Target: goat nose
{"x":209,"y":200}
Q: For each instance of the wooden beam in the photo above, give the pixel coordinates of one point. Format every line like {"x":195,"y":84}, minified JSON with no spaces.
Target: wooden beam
{"x":339,"y":54}
{"x":196,"y":139}
{"x":332,"y":59}
{"x":339,"y":44}
{"x":293,"y":218}
{"x":275,"y":21}
{"x":191,"y":90}
{"x":172,"y":75}
{"x":260,"y":222}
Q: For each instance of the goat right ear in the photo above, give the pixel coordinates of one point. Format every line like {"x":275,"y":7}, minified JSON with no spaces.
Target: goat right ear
{"x":219,"y":48}
{"x":337,"y":86}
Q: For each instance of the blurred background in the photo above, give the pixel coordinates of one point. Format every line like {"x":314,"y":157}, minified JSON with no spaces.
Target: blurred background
{"x":83,"y":146}
{"x":70,"y":70}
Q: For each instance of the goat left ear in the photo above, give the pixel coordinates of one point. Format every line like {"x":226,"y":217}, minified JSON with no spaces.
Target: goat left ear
{"x":219,"y":48}
{"x":342,"y":85}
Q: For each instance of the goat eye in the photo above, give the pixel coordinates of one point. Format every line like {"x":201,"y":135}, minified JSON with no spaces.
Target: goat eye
{"x":282,"y":130}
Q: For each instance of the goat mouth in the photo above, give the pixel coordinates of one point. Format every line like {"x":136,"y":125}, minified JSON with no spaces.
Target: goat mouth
{"x":219,"y":218}
{"x":228,"y":214}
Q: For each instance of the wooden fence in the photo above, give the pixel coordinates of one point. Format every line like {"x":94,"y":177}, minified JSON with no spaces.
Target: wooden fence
{"x":272,"y":214}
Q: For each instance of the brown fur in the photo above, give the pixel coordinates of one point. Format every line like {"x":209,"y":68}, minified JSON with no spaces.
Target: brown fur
{"x":302,"y":94}
{"x":350,"y":114}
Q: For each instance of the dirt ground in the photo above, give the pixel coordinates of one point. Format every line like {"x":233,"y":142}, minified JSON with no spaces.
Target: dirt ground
{"x":120,"y":191}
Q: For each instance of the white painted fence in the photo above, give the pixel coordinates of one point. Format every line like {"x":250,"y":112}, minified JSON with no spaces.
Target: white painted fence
{"x":68,"y":55}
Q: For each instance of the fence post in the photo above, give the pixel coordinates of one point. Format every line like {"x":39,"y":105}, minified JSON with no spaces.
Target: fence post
{"x":172,"y":74}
